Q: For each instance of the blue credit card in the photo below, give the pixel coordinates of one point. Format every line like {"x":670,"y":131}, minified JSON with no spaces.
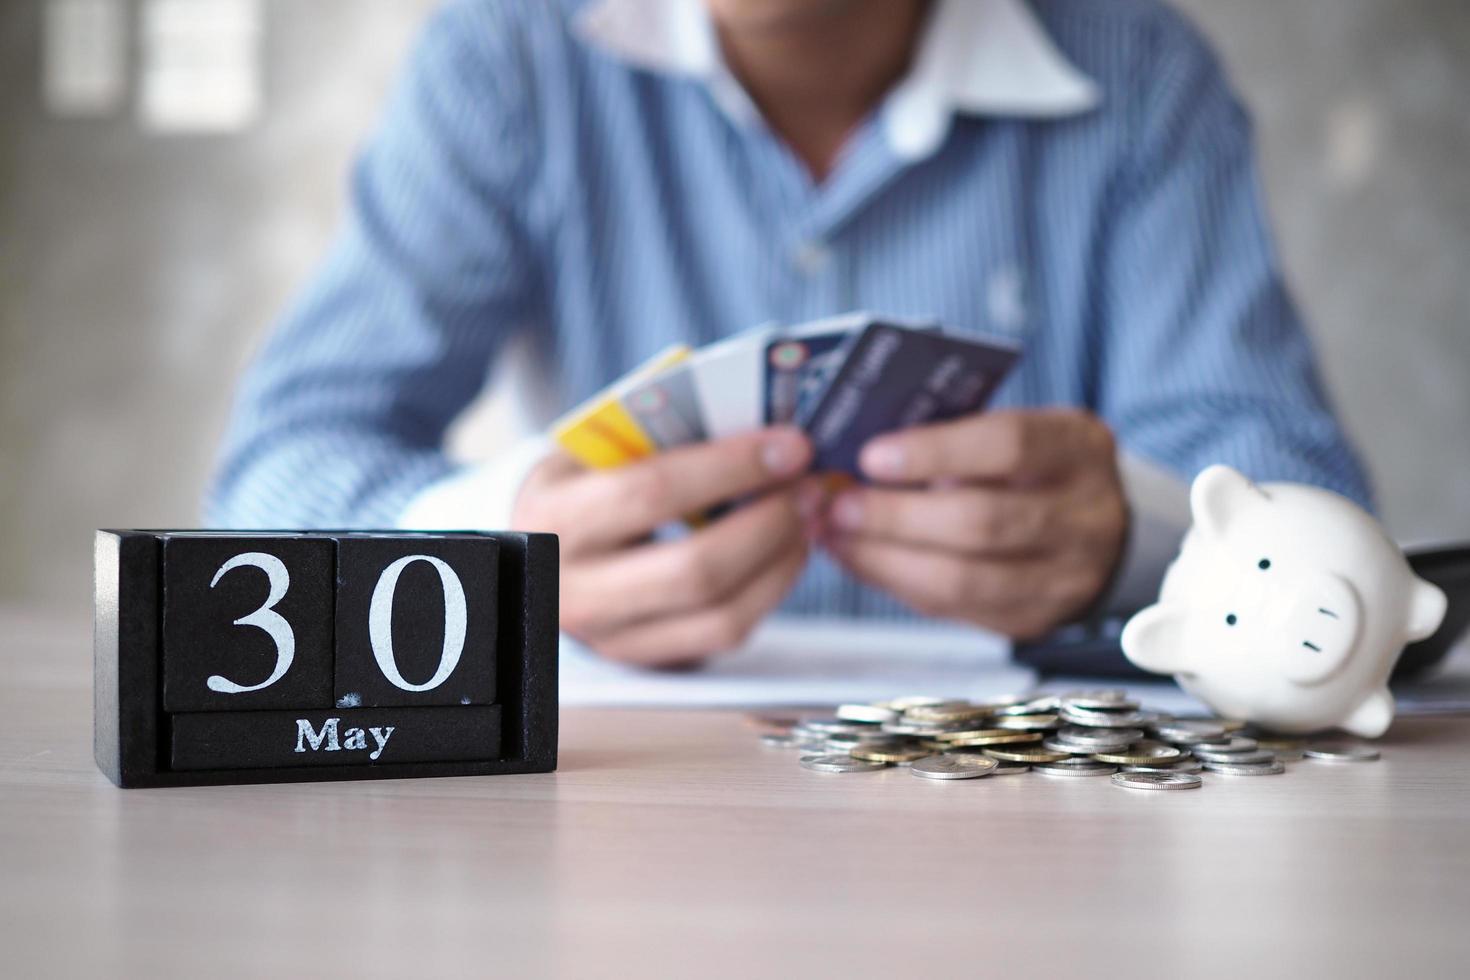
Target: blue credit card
{"x":799,"y":367}
{"x":893,"y":377}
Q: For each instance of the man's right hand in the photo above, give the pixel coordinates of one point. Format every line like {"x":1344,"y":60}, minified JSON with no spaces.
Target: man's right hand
{"x":670,"y":603}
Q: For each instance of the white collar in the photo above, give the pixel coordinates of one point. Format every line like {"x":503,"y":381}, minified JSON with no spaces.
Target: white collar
{"x":980,"y":57}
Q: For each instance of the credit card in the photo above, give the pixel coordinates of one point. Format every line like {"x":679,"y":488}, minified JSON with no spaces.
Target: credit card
{"x":894,"y":377}
{"x":824,"y":368}
{"x":666,"y":408}
{"x":727,"y":381}
{"x":799,"y":362}
{"x":600,"y":432}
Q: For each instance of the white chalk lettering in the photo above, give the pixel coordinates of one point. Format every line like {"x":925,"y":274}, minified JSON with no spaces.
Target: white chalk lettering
{"x":381,"y":736}
{"x":351,"y":739}
{"x":328,"y":734}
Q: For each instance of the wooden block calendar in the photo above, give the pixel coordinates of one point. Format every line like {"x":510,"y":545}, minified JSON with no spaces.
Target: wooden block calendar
{"x":246,"y":657}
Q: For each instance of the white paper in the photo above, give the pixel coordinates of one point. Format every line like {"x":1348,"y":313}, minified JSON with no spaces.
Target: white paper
{"x":808,"y":661}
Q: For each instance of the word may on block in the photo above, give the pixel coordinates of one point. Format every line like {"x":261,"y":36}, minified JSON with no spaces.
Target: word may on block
{"x":237,"y":657}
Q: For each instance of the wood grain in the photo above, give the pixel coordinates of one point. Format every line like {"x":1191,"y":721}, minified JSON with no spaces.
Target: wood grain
{"x":672,"y":844}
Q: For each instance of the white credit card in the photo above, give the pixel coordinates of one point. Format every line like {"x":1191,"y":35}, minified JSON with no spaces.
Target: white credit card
{"x":727,"y":379}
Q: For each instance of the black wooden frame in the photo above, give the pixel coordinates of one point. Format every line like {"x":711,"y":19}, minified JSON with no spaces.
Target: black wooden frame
{"x":131,"y":730}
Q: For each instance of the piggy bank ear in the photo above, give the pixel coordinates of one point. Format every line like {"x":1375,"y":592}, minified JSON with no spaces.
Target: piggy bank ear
{"x":1154,"y":639}
{"x":1217,"y":495}
{"x":1427,"y":606}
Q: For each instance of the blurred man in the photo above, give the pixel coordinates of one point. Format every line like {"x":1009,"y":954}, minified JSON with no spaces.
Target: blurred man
{"x":609,"y":177}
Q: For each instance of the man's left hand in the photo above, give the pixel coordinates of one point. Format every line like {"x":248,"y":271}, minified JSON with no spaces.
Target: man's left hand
{"x":1011,"y":520}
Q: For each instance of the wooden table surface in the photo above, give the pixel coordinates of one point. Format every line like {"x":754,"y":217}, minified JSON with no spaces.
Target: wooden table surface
{"x":671,"y":844}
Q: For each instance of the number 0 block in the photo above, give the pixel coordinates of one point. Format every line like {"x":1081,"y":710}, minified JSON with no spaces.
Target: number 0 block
{"x":287,"y":656}
{"x":416,"y":621}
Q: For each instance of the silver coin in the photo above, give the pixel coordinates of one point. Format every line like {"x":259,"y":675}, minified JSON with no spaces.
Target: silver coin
{"x":945,"y":766}
{"x":839,"y":763}
{"x":871,"y":713}
{"x":1246,"y":768}
{"x":1288,"y":755}
{"x":1190,"y":730}
{"x":1234,"y":744}
{"x":780,"y":740}
{"x":1187,"y":765}
{"x":1103,"y":719}
{"x":1025,"y":723}
{"x":1157,"y":780}
{"x":833,"y":726}
{"x":1242,"y":758}
{"x":1340,"y":751}
{"x":1074,"y":767}
{"x":1009,"y":769}
{"x":1057,"y":745}
{"x":1098,"y":739}
{"x":1043,"y":705}
{"x":866,"y":738}
{"x":1107,"y":700}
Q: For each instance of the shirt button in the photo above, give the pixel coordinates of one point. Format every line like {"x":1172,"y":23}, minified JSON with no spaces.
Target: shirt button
{"x":812,"y":257}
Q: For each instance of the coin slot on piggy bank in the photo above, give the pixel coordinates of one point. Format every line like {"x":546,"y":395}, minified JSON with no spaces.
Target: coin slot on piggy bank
{"x":265,"y":657}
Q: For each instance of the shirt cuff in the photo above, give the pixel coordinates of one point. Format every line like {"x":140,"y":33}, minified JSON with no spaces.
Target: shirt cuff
{"x":476,"y":498}
{"x":1158,"y":504}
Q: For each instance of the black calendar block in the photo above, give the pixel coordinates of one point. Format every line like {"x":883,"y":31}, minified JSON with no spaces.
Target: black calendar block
{"x":175,"y":609}
{"x":247,"y":622}
{"x":364,"y":737}
{"x":416,"y":621}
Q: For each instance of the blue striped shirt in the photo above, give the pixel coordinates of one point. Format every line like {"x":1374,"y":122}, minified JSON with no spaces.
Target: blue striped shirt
{"x":526,"y":182}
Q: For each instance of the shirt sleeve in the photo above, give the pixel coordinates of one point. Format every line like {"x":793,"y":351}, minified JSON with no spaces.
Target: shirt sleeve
{"x":1201,"y":355}
{"x":341,"y":418}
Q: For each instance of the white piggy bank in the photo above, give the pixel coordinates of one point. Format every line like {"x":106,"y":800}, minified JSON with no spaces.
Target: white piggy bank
{"x":1287,"y":606}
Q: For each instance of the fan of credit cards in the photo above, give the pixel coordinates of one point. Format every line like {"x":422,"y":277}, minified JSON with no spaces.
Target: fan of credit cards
{"x":843,"y":380}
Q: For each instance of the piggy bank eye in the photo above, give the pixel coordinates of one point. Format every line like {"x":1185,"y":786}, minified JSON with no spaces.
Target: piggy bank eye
{"x":1263,"y":564}
{"x":1230,"y":619}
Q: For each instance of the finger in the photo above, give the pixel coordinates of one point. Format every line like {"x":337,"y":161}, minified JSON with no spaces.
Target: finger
{"x":1013,"y":596}
{"x":605,"y":508}
{"x":666,"y":577}
{"x":1012,"y":445}
{"x":981,"y":521}
{"x":691,"y":636}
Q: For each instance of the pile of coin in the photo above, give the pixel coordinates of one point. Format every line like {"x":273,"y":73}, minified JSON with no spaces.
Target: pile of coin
{"x":1084,"y":733}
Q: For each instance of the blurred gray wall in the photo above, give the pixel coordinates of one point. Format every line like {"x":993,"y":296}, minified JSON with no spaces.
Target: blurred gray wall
{"x":137,"y":272}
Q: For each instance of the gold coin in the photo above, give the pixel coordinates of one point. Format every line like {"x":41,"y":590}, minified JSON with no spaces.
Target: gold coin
{"x":999,"y":738}
{"x":890,"y":753}
{"x":1026,"y":753}
{"x":945,"y":712}
{"x":1140,"y":754}
{"x":969,"y":733}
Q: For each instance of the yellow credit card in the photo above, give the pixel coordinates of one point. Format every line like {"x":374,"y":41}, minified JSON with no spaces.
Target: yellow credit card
{"x":600,"y":433}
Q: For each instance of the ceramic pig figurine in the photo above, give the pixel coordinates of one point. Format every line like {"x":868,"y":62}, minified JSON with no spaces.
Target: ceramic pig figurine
{"x":1287,"y":606}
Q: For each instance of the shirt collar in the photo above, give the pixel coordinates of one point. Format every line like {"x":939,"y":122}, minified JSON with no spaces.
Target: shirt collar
{"x":976,"y":57}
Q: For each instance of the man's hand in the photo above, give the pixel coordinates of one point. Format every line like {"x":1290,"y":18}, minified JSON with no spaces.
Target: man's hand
{"x":669,"y":603}
{"x":1011,"y":520}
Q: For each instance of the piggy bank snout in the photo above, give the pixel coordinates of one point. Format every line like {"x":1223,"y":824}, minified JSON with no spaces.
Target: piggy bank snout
{"x":1318,"y":630}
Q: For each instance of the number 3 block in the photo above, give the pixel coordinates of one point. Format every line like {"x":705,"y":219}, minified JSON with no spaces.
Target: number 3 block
{"x":416,"y":621}
{"x":247,"y":622}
